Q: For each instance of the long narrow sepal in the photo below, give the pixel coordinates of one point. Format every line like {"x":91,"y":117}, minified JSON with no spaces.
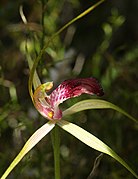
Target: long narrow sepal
{"x":32,"y":141}
{"x":36,"y":80}
{"x":95,"y":104}
{"x":93,"y":142}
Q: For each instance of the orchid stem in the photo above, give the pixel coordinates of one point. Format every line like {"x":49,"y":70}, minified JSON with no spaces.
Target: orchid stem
{"x":56,"y":148}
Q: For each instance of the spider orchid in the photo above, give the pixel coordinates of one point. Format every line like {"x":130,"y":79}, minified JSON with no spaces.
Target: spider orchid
{"x":48,"y":105}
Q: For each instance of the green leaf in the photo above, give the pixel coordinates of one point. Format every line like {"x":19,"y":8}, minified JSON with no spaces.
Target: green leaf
{"x":32,"y":141}
{"x":93,"y":142}
{"x":95,"y":104}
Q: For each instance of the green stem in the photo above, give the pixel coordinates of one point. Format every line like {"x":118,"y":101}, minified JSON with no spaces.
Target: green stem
{"x":56,"y":148}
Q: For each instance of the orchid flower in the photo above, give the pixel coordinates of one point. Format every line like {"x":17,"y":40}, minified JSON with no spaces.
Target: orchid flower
{"x":48,"y":105}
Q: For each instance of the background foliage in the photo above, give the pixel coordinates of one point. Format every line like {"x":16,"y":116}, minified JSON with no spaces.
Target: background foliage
{"x":104,"y":44}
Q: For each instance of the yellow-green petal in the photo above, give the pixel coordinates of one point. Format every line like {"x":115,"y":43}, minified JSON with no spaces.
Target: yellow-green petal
{"x":93,"y":142}
{"x":32,"y":141}
{"x":95,"y":104}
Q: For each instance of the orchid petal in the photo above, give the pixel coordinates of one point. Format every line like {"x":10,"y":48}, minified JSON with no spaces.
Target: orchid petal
{"x":75,"y":87}
{"x":32,"y":141}
{"x":95,"y":104}
{"x":48,"y":106}
{"x":92,"y":141}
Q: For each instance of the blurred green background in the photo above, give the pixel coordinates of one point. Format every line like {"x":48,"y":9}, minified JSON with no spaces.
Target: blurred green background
{"x":103,"y":44}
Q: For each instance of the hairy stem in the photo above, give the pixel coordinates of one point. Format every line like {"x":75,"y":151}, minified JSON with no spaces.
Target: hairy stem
{"x":56,"y":148}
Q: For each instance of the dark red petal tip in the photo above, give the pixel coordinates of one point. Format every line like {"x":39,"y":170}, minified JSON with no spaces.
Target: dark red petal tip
{"x":75,"y":87}
{"x":48,"y":106}
{"x":97,"y":88}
